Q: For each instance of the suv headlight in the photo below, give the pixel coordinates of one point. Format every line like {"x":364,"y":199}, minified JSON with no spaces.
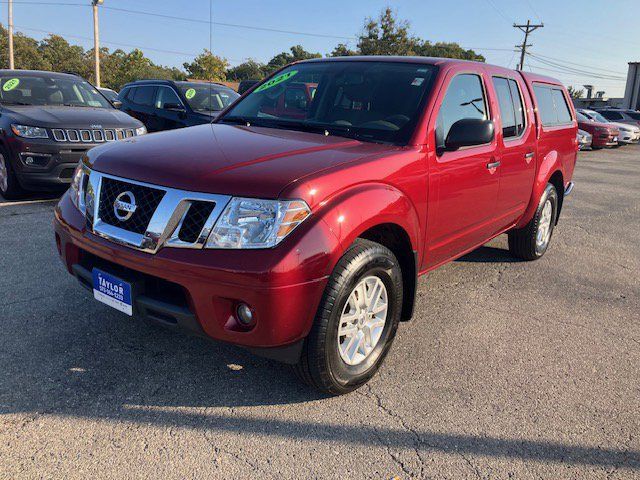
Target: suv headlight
{"x":141,"y":130}
{"x":254,"y":223}
{"x":80,"y":197}
{"x":27,"y":131}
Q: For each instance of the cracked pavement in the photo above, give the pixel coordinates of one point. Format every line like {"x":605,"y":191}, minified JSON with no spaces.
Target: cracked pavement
{"x":508,"y":370}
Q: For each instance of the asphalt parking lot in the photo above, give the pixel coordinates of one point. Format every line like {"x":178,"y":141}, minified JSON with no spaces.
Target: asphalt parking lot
{"x":508,"y":370}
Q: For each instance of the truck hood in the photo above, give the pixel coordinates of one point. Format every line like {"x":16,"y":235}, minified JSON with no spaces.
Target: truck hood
{"x":69,"y":117}
{"x":228,"y":159}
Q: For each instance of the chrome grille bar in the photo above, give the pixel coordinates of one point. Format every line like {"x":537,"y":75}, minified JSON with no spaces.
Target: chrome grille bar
{"x":164,"y":226}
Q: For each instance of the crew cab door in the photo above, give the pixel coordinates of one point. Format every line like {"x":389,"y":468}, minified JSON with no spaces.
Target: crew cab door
{"x":516,"y":137}
{"x":463,"y":184}
{"x":169,"y":109}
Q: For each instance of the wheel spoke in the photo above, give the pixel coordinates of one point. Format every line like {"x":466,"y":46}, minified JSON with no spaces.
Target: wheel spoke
{"x":363,"y":320}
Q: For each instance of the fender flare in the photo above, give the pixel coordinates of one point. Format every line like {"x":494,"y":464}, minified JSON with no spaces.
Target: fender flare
{"x":550,"y":164}
{"x":353,"y":211}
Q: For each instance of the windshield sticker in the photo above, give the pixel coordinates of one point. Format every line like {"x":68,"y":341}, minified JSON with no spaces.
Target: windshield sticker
{"x":417,"y":81}
{"x":10,"y":84}
{"x":190,"y":93}
{"x":278,"y":79}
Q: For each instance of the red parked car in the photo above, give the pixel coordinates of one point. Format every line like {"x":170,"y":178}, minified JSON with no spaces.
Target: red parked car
{"x":302,"y":238}
{"x":604,"y":134}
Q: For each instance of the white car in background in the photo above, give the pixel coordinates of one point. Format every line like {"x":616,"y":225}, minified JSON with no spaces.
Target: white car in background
{"x":628,"y":133}
{"x":584,"y":140}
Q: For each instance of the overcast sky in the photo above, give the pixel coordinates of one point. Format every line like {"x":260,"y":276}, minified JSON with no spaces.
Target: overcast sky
{"x":590,"y":37}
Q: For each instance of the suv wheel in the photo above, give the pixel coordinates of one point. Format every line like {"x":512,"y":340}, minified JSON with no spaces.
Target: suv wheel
{"x":532,"y":241}
{"x":9,"y":187}
{"x":356,"y":321}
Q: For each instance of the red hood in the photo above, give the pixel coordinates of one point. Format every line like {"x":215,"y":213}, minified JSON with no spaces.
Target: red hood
{"x":225,"y":159}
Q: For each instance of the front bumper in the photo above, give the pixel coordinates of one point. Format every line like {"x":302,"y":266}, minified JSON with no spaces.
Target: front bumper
{"x":629,"y":138}
{"x":283,"y":286}
{"x":44,"y":164}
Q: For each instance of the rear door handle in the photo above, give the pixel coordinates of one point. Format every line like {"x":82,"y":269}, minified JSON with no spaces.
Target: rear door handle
{"x":493,"y":165}
{"x":529,"y":155}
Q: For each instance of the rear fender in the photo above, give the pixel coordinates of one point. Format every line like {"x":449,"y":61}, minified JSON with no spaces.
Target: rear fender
{"x":550,"y":164}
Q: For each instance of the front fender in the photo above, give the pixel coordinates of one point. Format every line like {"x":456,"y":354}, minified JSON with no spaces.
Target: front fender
{"x":550,"y":164}
{"x":357,"y":209}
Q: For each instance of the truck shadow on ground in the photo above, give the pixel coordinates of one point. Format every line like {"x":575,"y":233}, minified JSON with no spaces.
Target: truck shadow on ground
{"x":101,"y":365}
{"x":487,"y":254}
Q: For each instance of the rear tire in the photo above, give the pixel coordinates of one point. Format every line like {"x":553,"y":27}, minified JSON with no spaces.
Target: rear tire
{"x":9,"y":186}
{"x":532,"y":241}
{"x":337,"y":364}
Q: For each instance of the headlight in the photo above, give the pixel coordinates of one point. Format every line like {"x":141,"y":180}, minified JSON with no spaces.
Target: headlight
{"x":29,"y":132}
{"x":78,"y":189}
{"x":254,"y":223}
{"x":141,"y":130}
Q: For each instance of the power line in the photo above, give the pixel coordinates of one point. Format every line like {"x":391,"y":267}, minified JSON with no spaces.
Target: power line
{"x":577,"y":74}
{"x":534,"y":11}
{"x":575,"y":70}
{"x":576,"y":64}
{"x":500,"y":12}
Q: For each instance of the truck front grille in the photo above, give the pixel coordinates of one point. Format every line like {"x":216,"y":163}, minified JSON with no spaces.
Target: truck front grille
{"x":146,"y":201}
{"x":148,"y":217}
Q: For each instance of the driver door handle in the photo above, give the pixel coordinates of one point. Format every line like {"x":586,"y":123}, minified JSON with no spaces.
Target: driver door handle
{"x":492,"y":165}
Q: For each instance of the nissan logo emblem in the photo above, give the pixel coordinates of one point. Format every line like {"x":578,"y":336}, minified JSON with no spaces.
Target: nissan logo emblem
{"x":124,"y":206}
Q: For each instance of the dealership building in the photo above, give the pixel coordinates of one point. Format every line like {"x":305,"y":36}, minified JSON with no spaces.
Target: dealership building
{"x":632,"y":90}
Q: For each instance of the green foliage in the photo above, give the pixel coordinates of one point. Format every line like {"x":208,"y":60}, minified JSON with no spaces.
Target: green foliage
{"x":249,"y":70}
{"x":285,"y":58}
{"x":342,"y":50}
{"x":207,"y":66}
{"x":574,"y":92}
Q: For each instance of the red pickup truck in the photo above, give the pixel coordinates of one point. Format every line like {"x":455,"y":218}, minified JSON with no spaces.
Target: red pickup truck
{"x":302,"y":238}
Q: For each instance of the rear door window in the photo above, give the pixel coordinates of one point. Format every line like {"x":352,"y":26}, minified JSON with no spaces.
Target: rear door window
{"x":465,"y":98}
{"x":552,"y":105}
{"x":562,"y":109}
{"x":144,"y":96}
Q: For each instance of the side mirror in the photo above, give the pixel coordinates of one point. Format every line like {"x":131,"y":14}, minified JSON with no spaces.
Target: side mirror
{"x":175,"y":107}
{"x":469,"y":131}
{"x":116,"y":103}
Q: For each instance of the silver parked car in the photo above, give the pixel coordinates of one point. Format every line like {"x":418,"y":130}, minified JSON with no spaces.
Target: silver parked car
{"x":584,"y":140}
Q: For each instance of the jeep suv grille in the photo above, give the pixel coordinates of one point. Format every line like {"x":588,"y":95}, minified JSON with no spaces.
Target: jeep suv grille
{"x":146,"y":199}
{"x":92,"y":136}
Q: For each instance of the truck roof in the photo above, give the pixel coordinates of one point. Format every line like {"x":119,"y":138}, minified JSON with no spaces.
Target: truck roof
{"x":38,"y":73}
{"x":533,"y":77}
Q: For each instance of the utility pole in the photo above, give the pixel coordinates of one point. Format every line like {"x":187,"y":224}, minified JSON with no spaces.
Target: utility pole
{"x":96,"y":40}
{"x":527,"y":29}
{"x":11,"y":63}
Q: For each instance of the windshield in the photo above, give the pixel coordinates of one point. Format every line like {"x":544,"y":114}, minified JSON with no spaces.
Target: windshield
{"x":582,"y":117}
{"x":596,"y":116}
{"x":19,"y":89}
{"x":205,"y":97}
{"x":371,"y":101}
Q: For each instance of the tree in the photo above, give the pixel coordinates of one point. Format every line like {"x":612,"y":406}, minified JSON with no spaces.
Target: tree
{"x":574,"y":92}
{"x":386,"y":36}
{"x":25,"y":51}
{"x":207,"y":66}
{"x":249,"y":70}
{"x":342,"y":50}
{"x":62,"y":57}
{"x":284,"y":58}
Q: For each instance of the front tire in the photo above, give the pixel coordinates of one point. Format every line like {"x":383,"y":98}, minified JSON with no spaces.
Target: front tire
{"x":9,"y":186}
{"x":356,"y":321}
{"x":532,"y":241}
